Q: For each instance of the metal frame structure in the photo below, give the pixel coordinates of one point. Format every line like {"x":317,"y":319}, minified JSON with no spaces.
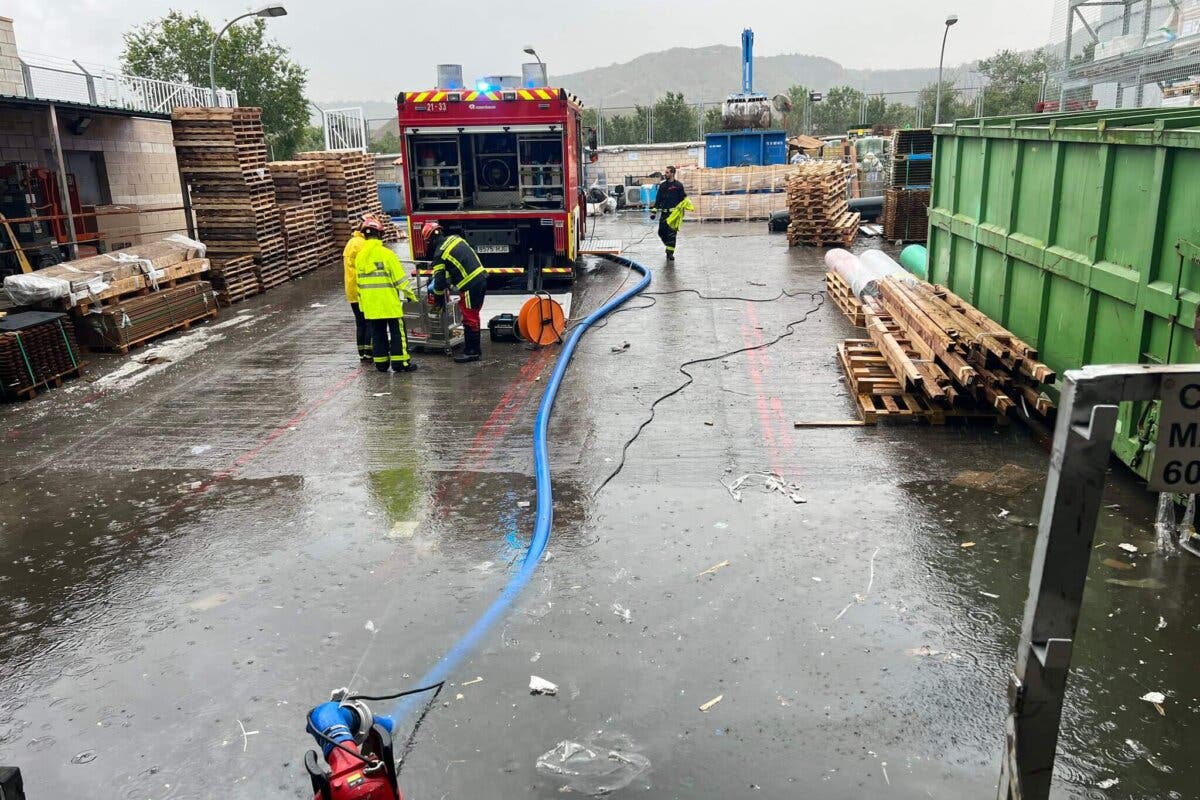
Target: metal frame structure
{"x":1147,"y":65}
{"x":345,"y":129}
{"x":1087,"y":416}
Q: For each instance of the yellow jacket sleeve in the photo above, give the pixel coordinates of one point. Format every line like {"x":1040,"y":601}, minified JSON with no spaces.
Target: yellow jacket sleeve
{"x":349,"y":256}
{"x":399,"y":279}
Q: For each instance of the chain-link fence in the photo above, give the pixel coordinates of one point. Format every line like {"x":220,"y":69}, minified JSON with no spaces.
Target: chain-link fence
{"x":1124,"y":54}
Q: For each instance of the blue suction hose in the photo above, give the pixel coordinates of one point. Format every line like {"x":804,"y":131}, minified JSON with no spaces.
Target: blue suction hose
{"x":545,"y":499}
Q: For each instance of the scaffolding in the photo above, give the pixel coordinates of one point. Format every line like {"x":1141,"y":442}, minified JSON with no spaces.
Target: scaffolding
{"x":1124,"y":54}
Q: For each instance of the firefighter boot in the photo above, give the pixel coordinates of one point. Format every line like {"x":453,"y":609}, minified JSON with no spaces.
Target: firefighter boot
{"x":471,"y":351}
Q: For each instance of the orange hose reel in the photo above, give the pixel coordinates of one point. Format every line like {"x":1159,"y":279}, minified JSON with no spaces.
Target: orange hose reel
{"x":541,"y":320}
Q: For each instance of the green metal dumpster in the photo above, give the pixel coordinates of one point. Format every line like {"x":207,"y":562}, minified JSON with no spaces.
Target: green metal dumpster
{"x":1080,"y":233}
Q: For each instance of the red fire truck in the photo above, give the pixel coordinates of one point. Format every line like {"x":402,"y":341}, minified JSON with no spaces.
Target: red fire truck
{"x":502,"y":167}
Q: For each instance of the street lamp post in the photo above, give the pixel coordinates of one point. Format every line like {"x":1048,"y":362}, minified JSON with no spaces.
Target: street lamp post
{"x":937,"y":105}
{"x":529,"y":51}
{"x":274,"y":10}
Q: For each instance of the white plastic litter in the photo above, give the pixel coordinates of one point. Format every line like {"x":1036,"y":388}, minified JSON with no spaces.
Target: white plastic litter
{"x":541,"y":686}
{"x":1156,"y":698}
{"x":625,"y":614}
{"x":601,"y":763}
{"x":771,"y":482}
{"x":1127,"y":547}
{"x":179,"y":238}
{"x":33,"y":288}
{"x":1108,"y":783}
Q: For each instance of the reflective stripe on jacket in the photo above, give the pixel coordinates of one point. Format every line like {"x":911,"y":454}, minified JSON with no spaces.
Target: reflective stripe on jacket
{"x":381,"y":282}
{"x":675,"y":218}
{"x":456,"y":264}
{"x":349,"y":254}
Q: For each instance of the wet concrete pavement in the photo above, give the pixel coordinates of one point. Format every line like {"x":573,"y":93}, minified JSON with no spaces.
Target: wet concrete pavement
{"x":198,"y":550}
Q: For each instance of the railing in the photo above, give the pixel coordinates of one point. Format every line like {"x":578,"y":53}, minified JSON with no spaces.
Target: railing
{"x":345,"y":129}
{"x":117,"y":90}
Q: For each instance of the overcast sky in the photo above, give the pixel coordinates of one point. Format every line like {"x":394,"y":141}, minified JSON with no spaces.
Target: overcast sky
{"x":363,"y":50}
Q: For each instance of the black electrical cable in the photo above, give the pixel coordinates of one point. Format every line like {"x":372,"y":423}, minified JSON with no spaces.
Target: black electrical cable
{"x":436,"y":688}
{"x":789,"y":330}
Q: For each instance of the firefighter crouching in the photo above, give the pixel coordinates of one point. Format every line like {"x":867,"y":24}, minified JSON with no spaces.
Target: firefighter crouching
{"x":455,"y":266}
{"x":382,"y":287}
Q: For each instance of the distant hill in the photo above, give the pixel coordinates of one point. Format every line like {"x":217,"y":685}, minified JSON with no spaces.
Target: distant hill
{"x":704,"y":74}
{"x":712,"y":73}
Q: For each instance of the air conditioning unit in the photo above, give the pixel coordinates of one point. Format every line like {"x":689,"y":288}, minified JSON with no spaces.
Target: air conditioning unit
{"x":633,"y":195}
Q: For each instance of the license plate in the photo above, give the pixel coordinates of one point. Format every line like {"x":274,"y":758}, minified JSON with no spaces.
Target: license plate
{"x":492,"y":248}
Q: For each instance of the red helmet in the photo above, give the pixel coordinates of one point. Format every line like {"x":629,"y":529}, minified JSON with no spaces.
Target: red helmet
{"x":370,"y":223}
{"x":429,"y":230}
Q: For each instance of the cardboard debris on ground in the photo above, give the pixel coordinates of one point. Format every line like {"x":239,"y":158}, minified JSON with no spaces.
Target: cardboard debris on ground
{"x":1008,"y":481}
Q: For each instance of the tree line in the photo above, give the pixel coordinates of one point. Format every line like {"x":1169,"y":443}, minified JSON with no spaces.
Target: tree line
{"x":175,"y":48}
{"x":1013,"y":85}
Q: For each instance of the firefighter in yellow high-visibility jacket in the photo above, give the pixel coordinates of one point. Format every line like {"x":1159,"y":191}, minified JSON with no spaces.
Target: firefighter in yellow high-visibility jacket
{"x":362,"y":328}
{"x":382,"y":287}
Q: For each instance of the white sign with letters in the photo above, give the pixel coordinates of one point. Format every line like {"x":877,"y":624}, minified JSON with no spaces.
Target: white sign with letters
{"x":1177,"y":452}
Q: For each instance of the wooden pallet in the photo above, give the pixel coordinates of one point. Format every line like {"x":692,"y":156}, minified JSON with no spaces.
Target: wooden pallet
{"x":843,"y":297}
{"x":44,"y":384}
{"x":879,"y":396}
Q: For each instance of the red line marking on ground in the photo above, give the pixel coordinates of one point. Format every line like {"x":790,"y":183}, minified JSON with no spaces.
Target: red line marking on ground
{"x":750,"y":338}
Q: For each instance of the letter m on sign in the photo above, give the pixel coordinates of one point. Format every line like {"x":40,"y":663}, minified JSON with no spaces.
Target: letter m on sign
{"x":1181,"y":435}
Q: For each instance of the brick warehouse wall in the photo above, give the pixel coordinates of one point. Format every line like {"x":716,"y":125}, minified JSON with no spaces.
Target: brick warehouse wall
{"x":139,"y":160}
{"x":11,"y":82}
{"x":618,"y":161}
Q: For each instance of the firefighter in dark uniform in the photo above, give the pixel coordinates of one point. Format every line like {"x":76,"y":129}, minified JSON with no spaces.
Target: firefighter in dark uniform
{"x":670,"y":194}
{"x":456,"y":266}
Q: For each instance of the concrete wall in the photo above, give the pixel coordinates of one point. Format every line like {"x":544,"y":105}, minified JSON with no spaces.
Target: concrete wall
{"x":11,"y":82}
{"x":618,"y":161}
{"x":139,"y":159}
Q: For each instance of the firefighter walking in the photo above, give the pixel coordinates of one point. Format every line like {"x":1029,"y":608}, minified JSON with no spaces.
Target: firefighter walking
{"x":456,"y":266}
{"x":362,"y":327}
{"x":671,"y":195}
{"x":382,"y":288}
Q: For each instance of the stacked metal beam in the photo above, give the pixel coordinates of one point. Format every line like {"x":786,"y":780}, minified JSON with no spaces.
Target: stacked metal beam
{"x":37,"y":350}
{"x":820,"y":216}
{"x":222,"y":155}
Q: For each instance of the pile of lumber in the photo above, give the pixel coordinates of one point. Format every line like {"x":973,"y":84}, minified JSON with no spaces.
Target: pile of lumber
{"x":37,"y":350}
{"x":353,"y":190}
{"x":906,"y":215}
{"x":820,"y":216}
{"x":222,"y":156}
{"x":306,"y":213}
{"x":944,"y":350}
{"x":140,"y":319}
{"x":235,"y":280}
{"x":96,"y":280}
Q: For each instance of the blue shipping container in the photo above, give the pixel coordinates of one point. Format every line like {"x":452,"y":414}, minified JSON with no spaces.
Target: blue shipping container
{"x":745,"y":148}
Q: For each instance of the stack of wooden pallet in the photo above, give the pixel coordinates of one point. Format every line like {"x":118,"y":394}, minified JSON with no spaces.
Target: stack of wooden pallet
{"x":131,"y":322}
{"x":222,"y":155}
{"x":906,"y":215}
{"x":912,"y":158}
{"x":37,"y":351}
{"x":932,"y":356}
{"x":236,"y":279}
{"x":820,"y":216}
{"x":94,"y":280}
{"x":353,"y":190}
{"x":306,"y":212}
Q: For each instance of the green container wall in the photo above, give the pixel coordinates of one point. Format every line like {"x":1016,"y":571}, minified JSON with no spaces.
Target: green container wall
{"x":1081,"y":234}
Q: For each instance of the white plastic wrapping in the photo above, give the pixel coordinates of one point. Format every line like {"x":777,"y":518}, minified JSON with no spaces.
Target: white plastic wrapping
{"x":32,"y":288}
{"x":179,"y":238}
